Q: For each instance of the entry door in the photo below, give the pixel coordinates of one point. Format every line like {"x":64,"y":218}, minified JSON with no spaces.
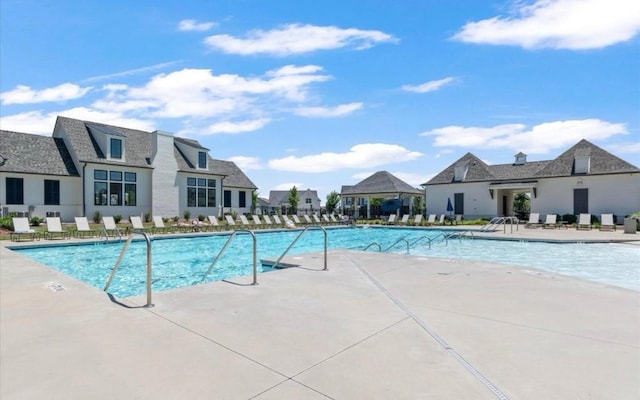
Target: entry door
{"x":504,"y":206}
{"x":580,"y":201}
{"x":458,"y":203}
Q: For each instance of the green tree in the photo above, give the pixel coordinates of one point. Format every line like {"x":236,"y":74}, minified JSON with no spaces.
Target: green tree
{"x":417,"y":205}
{"x":521,"y":202}
{"x":254,"y":201}
{"x":294,"y":199}
{"x":376,"y":202}
{"x":333,"y":199}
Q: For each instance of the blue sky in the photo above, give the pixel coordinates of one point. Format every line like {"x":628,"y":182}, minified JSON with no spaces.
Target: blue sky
{"x":320,"y":94}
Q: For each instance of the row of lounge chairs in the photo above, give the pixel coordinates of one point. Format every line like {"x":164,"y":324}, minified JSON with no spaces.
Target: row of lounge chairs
{"x":109,"y":228}
{"x":432,"y":219}
{"x":584,"y":222}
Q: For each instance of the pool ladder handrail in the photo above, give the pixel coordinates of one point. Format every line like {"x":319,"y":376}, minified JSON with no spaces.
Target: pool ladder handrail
{"x":402,"y":239}
{"x":298,"y":238}
{"x":373,"y":244}
{"x":497,"y":221}
{"x":149,"y":266}
{"x":224,"y":248}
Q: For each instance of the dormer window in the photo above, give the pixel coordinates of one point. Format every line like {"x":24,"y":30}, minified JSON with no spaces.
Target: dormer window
{"x":115,"y":148}
{"x":460,"y":173}
{"x":202,"y":160}
{"x":521,"y":159}
{"x":581,"y":165}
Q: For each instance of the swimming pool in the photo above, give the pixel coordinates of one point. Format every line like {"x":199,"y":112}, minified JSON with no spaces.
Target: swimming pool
{"x":179,"y":262}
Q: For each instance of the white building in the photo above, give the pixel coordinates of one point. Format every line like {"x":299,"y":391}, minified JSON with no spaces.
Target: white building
{"x":87,"y":167}
{"x":583,"y":179}
{"x":308,"y":202}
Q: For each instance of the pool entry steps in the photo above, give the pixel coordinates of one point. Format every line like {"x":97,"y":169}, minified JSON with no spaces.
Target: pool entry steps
{"x":444,"y":237}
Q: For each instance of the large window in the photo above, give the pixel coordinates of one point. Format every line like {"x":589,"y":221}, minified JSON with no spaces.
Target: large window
{"x":51,"y":192}
{"x":242,"y":199}
{"x":15,"y":191}
{"x":201,"y":192}
{"x":108,"y":188}
{"x":116,"y":148}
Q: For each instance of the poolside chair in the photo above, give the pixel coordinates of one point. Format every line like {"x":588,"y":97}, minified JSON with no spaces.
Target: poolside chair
{"x":136,"y":223}
{"x":230,"y":220}
{"x":333,"y":219}
{"x":441,"y":219}
{"x":83,"y":228}
{"x":405,"y":219}
{"x":316,"y":219}
{"x":326,"y":219}
{"x":417,"y":220}
{"x":213,"y":222}
{"x":606,"y":222}
{"x":22,"y":229}
{"x":550,"y":222}
{"x":267,"y":220}
{"x":584,"y":222}
{"x":534,"y":221}
{"x":431,"y":220}
{"x":159,"y":226}
{"x":109,"y":227}
{"x":276,"y":219}
{"x":296,"y":219}
{"x":54,"y":227}
{"x":391,"y":220}
{"x":256,"y":220}
{"x":307,"y":219}
{"x":244,"y":220}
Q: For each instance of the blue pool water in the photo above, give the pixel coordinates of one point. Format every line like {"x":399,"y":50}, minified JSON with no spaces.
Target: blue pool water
{"x":179,"y":262}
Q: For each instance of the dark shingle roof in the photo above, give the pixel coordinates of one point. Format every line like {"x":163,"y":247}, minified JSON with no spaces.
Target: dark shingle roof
{"x":601,"y":162}
{"x":235,"y":177}
{"x":277,"y":197}
{"x":381,"y":182}
{"x":35,"y":154}
{"x":80,"y":133}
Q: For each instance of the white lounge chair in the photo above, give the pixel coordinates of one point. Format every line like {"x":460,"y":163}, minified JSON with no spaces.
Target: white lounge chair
{"x":22,"y":229}
{"x":316,"y":219}
{"x":431,"y":220}
{"x":54,"y":227}
{"x":417,"y":219}
{"x":333,"y":219}
{"x":213,"y":222}
{"x":109,"y":227}
{"x":159,"y":226}
{"x":391,"y":220}
{"x":276,"y":219}
{"x":405,"y":219}
{"x":136,"y":223}
{"x":307,"y":219}
{"x":584,"y":222}
{"x":441,"y":219}
{"x":267,"y":220}
{"x":83,"y":228}
{"x":606,"y":222}
{"x":230,"y":220}
{"x":534,"y":221}
{"x":256,"y":220}
{"x":244,"y":220}
{"x":550,"y":221}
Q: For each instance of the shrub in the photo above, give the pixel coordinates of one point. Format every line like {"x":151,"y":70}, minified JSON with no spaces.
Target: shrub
{"x":36,"y":221}
{"x":6,"y":223}
{"x":186,"y":214}
{"x":176,"y":218}
{"x":117,"y":218}
{"x":147,"y":217}
{"x":201,"y":217}
{"x":97,"y":217}
{"x":570,"y":218}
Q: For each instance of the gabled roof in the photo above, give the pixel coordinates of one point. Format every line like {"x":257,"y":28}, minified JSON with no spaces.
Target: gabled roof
{"x":278,"y":197}
{"x":381,"y":183}
{"x":601,"y":162}
{"x":34,"y":154}
{"x":234,"y":176}
{"x":82,"y":140}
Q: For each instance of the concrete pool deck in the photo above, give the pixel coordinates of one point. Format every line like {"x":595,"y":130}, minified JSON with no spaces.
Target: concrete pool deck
{"x":375,"y":326}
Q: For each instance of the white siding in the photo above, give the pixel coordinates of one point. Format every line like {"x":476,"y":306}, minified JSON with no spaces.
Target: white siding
{"x":166,"y":188}
{"x":477,"y":200}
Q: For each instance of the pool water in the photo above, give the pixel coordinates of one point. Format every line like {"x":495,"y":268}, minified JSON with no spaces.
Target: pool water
{"x":179,"y":262}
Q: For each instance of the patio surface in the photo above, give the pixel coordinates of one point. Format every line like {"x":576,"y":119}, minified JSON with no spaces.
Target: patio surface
{"x":375,"y":326}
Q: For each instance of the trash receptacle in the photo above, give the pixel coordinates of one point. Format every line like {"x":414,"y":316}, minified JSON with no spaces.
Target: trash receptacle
{"x":630,"y":225}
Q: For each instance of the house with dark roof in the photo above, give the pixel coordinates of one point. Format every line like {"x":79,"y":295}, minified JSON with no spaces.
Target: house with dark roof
{"x":583,"y":179}
{"x":356,"y":199}
{"x":87,"y":167}
{"x":308,"y":202}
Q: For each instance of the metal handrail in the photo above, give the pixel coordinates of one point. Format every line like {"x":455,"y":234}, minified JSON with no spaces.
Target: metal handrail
{"x":297,"y":238}
{"x":398,"y":241}
{"x":419,"y":239}
{"x":119,"y":261}
{"x":496,"y":221}
{"x":255,"y":258}
{"x":372,"y":244}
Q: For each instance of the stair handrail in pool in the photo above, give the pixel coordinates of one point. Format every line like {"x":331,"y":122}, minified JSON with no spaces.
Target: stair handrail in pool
{"x":373,"y":244}
{"x":224,"y":248}
{"x":117,"y":264}
{"x":398,"y":241}
{"x":297,"y":238}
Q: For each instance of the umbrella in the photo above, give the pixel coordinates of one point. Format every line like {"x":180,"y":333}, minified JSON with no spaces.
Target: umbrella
{"x":391,"y":205}
{"x":449,"y":206}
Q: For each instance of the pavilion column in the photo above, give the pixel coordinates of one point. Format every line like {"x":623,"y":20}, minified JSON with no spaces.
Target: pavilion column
{"x":368,"y":207}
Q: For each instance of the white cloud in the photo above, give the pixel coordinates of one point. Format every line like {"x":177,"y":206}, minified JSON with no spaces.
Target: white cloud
{"x":328,"y":112}
{"x":42,"y":124}
{"x":131,"y":72}
{"x":559,"y":24}
{"x":297,"y":39}
{"x":236,"y":127}
{"x":25,"y":95}
{"x":538,"y":139}
{"x":365,"y":155}
{"x":430,"y":86}
{"x":193,"y":25}
{"x":626,"y":148}
{"x":288,"y":186}
{"x":246,"y":163}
